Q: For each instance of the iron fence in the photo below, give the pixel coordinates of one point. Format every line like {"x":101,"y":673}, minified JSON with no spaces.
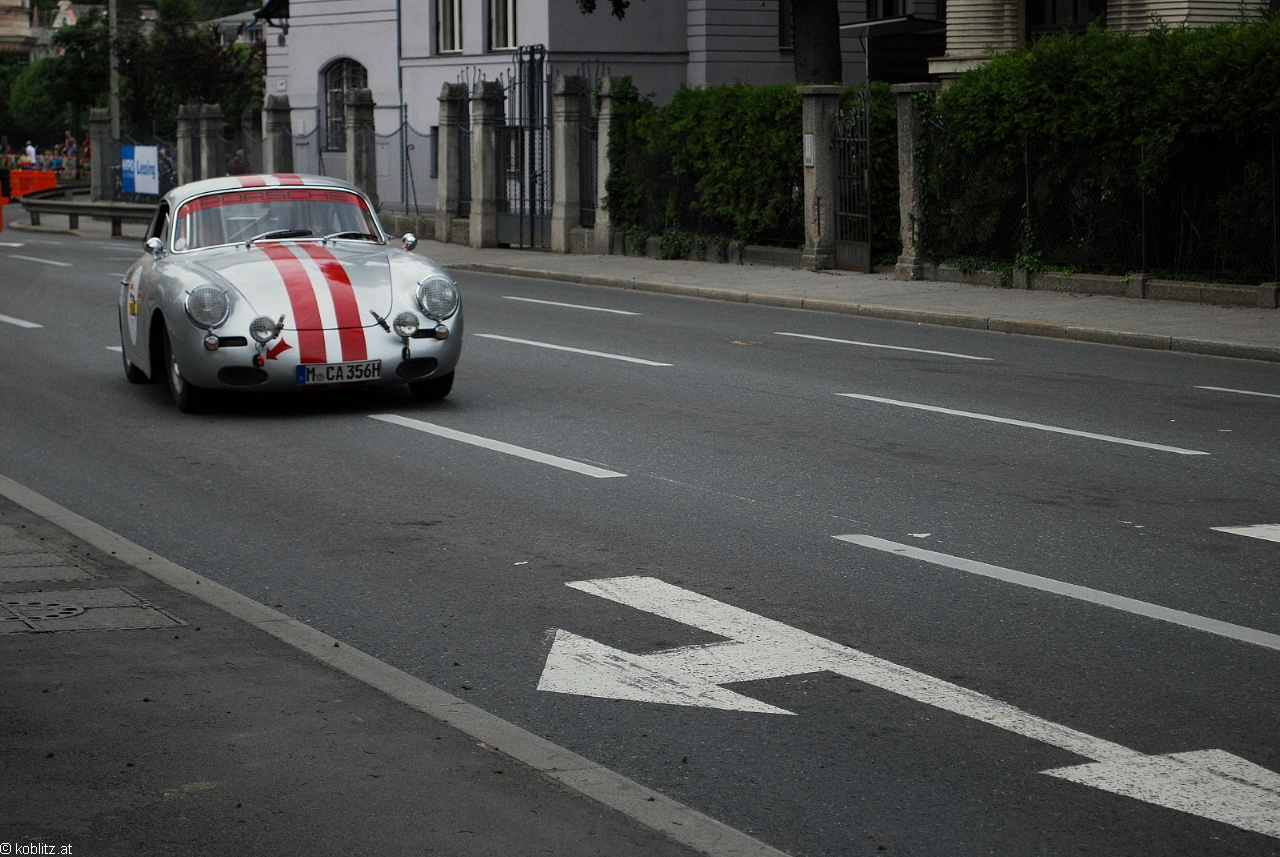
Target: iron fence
{"x":588,"y":132}
{"x":1203,"y":208}
{"x":166,"y":164}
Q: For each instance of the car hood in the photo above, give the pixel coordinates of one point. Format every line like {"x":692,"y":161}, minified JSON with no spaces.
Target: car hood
{"x":313,"y":285}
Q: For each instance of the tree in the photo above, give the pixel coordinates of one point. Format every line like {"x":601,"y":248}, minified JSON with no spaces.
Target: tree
{"x":815,"y":37}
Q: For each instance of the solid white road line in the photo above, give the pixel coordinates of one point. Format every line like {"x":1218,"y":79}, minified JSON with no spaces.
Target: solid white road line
{"x":567,"y":348}
{"x":1270,"y":532}
{"x":116,"y":348}
{"x":1241,"y":392}
{"x":876,"y":345}
{"x":1057,"y":429}
{"x":11,"y":244}
{"x":8,"y":319}
{"x":1071,"y":590}
{"x":569,"y":306}
{"x":41,"y":261}
{"x":499,"y":446}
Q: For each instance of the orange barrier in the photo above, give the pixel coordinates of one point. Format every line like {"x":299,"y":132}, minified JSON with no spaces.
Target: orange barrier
{"x":23,"y":182}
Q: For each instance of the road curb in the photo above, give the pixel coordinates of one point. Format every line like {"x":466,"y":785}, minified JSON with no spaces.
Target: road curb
{"x":577,"y":773}
{"x":1021,"y":327}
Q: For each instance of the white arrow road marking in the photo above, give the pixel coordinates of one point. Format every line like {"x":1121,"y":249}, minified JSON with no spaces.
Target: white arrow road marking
{"x":8,"y":319}
{"x":499,"y":446}
{"x":1241,"y":392}
{"x":877,"y":345}
{"x":1270,"y":532}
{"x":1024,"y":424}
{"x":1212,"y":784}
{"x":570,"y":306}
{"x":41,"y":261}
{"x":116,"y":348}
{"x":567,"y":348}
{"x":1071,"y":590}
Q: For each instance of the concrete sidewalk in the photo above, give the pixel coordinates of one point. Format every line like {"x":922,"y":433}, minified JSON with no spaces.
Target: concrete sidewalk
{"x":1163,"y":325}
{"x":148,"y":710}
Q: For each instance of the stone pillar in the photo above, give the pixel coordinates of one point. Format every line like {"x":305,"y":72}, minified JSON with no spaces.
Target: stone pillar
{"x":821,"y":104}
{"x":604,"y":222}
{"x":487,"y":97}
{"x":362,"y":143}
{"x":186,"y":147}
{"x":910,"y":264}
{"x":100,"y":147}
{"x":213,"y":159}
{"x":453,"y":117}
{"x":566,"y":195}
{"x":277,"y":148}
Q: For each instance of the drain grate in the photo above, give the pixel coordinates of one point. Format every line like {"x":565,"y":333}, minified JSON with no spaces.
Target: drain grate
{"x":79,"y":610}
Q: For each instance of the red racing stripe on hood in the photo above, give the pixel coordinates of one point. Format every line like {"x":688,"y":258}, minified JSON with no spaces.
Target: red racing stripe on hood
{"x":345,"y":307}
{"x":302,"y":298}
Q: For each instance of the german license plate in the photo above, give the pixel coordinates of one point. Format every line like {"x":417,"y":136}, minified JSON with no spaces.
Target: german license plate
{"x":339,"y":373}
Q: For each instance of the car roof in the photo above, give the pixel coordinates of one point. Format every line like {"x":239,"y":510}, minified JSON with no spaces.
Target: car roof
{"x":181,"y":194}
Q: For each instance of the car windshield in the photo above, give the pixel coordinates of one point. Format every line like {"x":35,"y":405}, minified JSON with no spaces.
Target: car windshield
{"x":236,"y":216}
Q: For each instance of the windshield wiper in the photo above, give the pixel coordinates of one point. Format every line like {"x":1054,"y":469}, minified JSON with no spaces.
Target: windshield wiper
{"x":360,"y":236}
{"x":275,"y":234}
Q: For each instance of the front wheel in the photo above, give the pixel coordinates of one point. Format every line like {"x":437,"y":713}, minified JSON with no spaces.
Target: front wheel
{"x":189,"y":398}
{"x":433,"y":389}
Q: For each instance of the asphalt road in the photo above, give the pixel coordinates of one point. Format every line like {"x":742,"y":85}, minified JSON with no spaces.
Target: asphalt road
{"x":743,"y":461}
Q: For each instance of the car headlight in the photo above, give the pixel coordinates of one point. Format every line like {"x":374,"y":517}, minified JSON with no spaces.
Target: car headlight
{"x":438,"y":297}
{"x":406,"y":324}
{"x":208,"y":306}
{"x":263,"y":329}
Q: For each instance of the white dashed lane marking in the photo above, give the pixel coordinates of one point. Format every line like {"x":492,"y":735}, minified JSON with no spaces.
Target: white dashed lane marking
{"x":1071,"y":590}
{"x":1241,"y":392}
{"x":574,"y":350}
{"x":499,"y":446}
{"x":569,"y":306}
{"x":41,"y":261}
{"x":1024,"y":424}
{"x":877,"y":345}
{"x":18,"y":322}
{"x":1269,"y":532}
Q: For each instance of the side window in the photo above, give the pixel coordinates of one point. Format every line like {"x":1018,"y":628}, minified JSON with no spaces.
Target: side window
{"x":159,"y":223}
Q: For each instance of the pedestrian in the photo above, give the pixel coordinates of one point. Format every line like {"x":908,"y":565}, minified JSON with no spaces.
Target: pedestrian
{"x":31,"y":154}
{"x":72,"y":152}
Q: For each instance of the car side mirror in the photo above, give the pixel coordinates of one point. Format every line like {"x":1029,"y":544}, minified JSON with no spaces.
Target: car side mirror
{"x":155,"y":246}
{"x":409,"y":241}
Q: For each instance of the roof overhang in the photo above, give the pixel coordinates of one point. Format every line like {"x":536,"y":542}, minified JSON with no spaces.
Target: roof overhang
{"x":905,"y":25}
{"x":274,"y":12}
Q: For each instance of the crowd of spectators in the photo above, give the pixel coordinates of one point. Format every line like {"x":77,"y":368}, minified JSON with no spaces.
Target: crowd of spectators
{"x":69,"y":158}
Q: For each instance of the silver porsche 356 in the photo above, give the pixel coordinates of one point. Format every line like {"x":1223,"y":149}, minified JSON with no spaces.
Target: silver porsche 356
{"x":284,"y":282}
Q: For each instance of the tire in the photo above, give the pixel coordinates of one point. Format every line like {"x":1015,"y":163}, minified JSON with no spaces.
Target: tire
{"x":433,"y":389}
{"x":189,"y":398}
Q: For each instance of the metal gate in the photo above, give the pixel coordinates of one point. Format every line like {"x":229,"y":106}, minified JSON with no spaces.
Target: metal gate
{"x":853,"y":184}
{"x":524,"y":153}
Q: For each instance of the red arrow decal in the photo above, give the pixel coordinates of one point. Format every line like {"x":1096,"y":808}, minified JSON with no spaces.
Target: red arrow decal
{"x":279,"y":348}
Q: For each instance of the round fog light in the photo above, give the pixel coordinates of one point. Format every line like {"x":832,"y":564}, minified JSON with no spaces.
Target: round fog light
{"x":211,"y":342}
{"x":442,"y":332}
{"x":405,"y":324}
{"x":262,"y":329}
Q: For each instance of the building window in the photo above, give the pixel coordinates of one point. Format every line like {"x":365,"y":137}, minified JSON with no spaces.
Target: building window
{"x":340,"y":77}
{"x":448,"y":26}
{"x":786,"y":26}
{"x":502,"y":24}
{"x":880,"y":9}
{"x":1049,"y":17}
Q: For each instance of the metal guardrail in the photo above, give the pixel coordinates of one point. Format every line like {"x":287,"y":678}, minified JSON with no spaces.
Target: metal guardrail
{"x":60,"y":201}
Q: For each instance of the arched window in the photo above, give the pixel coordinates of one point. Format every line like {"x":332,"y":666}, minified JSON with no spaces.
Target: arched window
{"x":340,"y":77}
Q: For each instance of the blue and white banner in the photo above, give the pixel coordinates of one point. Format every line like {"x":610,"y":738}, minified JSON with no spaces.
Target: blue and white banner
{"x":140,"y":169}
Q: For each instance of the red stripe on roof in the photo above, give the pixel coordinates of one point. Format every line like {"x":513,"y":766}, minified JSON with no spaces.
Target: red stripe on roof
{"x":302,"y":298}
{"x":289,"y":178}
{"x":252,"y":181}
{"x":271,"y":194}
{"x":350,"y":329}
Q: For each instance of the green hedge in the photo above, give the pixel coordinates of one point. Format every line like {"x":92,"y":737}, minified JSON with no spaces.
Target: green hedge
{"x":725,"y":163}
{"x":1112,"y":152}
